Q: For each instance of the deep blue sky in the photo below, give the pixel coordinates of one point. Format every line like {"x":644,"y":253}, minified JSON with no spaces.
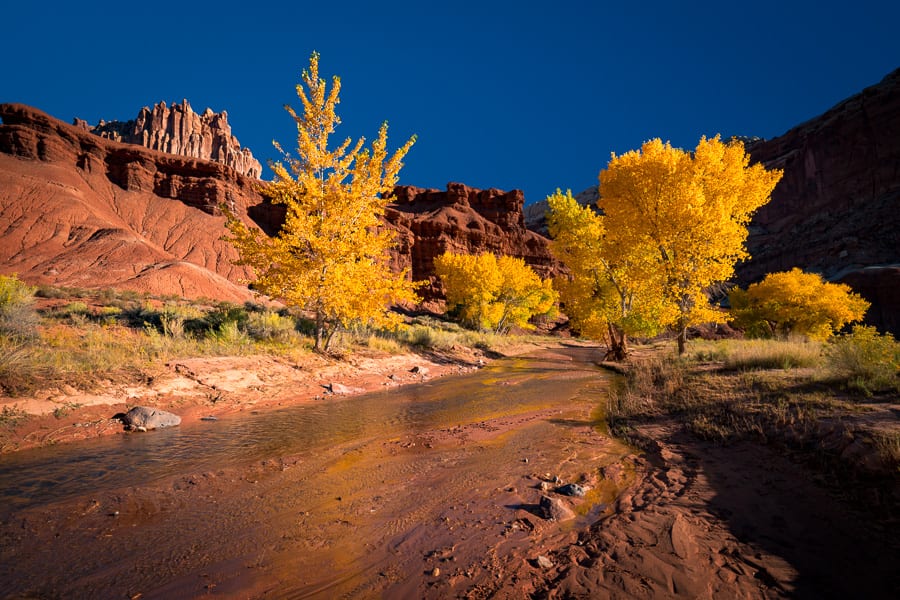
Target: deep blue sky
{"x":529,"y":95}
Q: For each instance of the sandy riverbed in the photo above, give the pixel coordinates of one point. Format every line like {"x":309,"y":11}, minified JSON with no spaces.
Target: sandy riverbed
{"x":687,"y":519}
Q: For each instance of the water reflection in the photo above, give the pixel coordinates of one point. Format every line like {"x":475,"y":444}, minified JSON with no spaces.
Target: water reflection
{"x":507,"y":387}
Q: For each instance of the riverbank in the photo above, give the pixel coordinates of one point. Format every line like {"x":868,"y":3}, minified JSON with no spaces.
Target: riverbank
{"x":201,"y":387}
{"x":767,"y":480}
{"x":72,"y":359}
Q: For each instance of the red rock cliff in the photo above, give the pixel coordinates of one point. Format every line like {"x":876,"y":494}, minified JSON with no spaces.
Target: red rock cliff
{"x":836,"y":211}
{"x":80,"y":210}
{"x":462,"y":219}
{"x":179,"y":130}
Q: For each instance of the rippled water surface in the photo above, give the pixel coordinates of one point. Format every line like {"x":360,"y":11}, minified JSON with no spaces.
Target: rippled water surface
{"x":507,"y":387}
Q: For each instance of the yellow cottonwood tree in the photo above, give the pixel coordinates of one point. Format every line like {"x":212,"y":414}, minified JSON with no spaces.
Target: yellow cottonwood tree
{"x":794,"y":302}
{"x":607,"y":294}
{"x":493,"y":293}
{"x":330,"y":257}
{"x":692,"y":209}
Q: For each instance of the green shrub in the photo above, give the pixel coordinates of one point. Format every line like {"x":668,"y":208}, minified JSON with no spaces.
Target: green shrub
{"x":76,"y":308}
{"x":423,"y":336}
{"x":229,"y":337}
{"x":225,"y":313}
{"x":49,"y":291}
{"x":270,"y":327}
{"x":867,"y":360}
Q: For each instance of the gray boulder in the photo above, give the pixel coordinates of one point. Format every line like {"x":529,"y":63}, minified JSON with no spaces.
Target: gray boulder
{"x":554,"y":509}
{"x":571,"y":489}
{"x":144,"y":418}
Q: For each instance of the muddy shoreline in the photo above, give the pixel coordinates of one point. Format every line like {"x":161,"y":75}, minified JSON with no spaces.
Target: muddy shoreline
{"x":217,"y":387}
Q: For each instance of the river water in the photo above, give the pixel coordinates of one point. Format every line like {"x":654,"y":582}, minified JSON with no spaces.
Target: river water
{"x":343,"y":497}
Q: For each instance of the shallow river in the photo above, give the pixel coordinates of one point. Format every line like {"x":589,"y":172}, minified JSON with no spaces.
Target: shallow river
{"x":362,"y":496}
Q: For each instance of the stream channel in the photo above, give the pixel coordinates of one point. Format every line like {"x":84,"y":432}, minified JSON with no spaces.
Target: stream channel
{"x":420,"y":490}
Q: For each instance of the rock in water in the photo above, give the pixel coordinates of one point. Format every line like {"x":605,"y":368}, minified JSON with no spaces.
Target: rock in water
{"x":143,"y":417}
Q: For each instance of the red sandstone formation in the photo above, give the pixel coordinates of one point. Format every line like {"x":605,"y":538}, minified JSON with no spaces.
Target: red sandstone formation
{"x":462,"y":219}
{"x":179,"y":130}
{"x":80,"y":210}
{"x":837,"y":209}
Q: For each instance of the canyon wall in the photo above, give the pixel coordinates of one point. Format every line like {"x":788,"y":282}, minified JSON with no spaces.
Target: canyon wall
{"x":836,"y":211}
{"x":462,"y":219}
{"x":83,"y":211}
{"x":177,"y":129}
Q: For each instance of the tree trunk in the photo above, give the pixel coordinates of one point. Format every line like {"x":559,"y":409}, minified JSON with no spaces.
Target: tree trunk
{"x":329,"y":336}
{"x":682,"y":337}
{"x":320,"y":332}
{"x":618,"y":344}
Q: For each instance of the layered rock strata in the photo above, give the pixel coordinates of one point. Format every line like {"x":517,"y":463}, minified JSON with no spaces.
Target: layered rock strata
{"x":177,"y":129}
{"x":79,"y":210}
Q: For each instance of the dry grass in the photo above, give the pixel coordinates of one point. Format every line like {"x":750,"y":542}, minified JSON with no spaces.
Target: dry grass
{"x":868,"y":362}
{"x":116,"y":338}
{"x":434,"y":335}
{"x":742,"y":355}
{"x":809,"y":409}
{"x":94,"y":337}
{"x":732,"y":389}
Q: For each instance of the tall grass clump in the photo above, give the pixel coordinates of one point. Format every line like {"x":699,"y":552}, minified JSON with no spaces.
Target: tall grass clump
{"x":268,"y":326}
{"x":869,"y":362}
{"x":427,"y":337}
{"x":655,"y":381}
{"x":18,"y":319}
{"x":760,"y":354}
{"x":18,"y":368}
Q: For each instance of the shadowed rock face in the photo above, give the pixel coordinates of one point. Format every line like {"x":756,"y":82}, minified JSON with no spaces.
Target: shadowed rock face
{"x":79,"y":210}
{"x":179,"y":130}
{"x":836,"y":211}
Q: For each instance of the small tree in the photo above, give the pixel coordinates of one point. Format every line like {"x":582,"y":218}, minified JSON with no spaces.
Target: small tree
{"x":492,"y":293}
{"x":331,"y":255}
{"x":794,"y":302}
